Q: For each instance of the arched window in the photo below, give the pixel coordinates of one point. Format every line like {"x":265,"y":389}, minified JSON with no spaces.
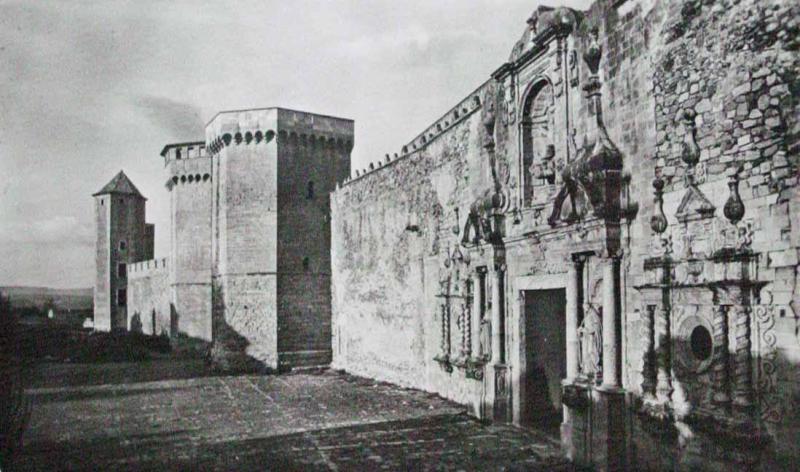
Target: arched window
{"x":538,"y":143}
{"x":310,"y":190}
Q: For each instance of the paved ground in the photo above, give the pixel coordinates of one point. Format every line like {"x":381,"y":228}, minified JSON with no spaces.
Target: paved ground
{"x":172,"y":415}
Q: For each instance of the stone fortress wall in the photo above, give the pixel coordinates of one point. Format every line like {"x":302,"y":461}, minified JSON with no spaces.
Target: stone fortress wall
{"x":436,"y":251}
{"x":149,"y":307}
{"x":249,"y":263}
{"x":624,"y":187}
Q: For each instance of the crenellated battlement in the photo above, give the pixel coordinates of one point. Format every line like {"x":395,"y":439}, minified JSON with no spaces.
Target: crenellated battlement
{"x":265,"y":125}
{"x":186,"y":163}
{"x":183,"y":151}
{"x":465,"y":108}
{"x":143,"y":269}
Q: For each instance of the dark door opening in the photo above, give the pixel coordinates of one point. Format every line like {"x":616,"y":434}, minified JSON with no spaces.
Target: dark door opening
{"x":545,"y":356}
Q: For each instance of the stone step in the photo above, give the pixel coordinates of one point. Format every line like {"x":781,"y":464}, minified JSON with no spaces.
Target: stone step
{"x":304,"y":359}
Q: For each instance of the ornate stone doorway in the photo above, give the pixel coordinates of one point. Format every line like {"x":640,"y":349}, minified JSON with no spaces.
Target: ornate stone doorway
{"x":545,"y":356}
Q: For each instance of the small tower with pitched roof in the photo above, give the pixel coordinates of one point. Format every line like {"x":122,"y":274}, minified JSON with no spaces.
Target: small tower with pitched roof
{"x":122,"y":238}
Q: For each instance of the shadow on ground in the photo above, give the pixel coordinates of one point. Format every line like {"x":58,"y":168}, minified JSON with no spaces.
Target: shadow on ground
{"x":163,"y":415}
{"x":53,"y":375}
{"x":437,"y":442}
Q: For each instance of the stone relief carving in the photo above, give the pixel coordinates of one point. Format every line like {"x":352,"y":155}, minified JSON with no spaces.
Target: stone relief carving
{"x":590,"y":336}
{"x":509,"y":97}
{"x":769,"y":401}
{"x":573,"y":68}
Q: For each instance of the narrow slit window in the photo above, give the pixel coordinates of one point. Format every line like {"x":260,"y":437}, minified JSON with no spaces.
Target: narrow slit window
{"x":310,"y":190}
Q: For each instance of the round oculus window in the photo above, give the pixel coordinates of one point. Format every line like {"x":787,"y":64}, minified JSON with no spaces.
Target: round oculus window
{"x":701,"y":343}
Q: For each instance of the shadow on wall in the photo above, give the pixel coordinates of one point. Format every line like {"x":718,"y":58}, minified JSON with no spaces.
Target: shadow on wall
{"x":173,"y":319}
{"x":759,"y":437}
{"x":228,"y":352}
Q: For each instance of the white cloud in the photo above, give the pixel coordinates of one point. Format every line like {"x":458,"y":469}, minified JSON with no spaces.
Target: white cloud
{"x":60,"y":230}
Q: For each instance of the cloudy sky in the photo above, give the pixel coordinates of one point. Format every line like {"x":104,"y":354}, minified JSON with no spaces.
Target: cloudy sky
{"x":90,"y":88}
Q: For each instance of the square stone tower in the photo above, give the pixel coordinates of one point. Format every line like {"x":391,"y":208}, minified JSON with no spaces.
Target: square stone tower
{"x":122,"y":238}
{"x":272,"y":171}
{"x":188,"y":169}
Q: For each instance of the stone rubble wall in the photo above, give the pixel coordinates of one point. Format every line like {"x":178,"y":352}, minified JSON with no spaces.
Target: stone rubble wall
{"x":735,"y":65}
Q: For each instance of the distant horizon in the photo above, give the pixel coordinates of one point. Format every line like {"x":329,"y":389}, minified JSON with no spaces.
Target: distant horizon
{"x":2,"y":287}
{"x":105,"y":88}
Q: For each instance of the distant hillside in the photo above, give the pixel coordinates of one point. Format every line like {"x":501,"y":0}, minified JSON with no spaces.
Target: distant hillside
{"x":69,"y":298}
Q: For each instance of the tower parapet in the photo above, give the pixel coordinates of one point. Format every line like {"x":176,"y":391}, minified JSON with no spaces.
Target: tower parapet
{"x":186,"y":163}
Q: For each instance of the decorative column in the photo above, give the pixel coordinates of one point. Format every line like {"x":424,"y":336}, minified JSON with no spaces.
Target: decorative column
{"x":721,"y":397}
{"x":476,"y":314}
{"x":573,"y":302}
{"x":662,"y":349}
{"x":498,"y":356}
{"x":649,"y":370}
{"x":610,"y":339}
{"x":743,"y":392}
{"x":445,"y":329}
{"x":467,"y":310}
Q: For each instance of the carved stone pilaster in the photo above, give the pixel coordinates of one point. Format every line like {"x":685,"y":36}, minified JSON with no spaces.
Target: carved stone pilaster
{"x":649,"y":368}
{"x":445,"y":329}
{"x":720,"y":360}
{"x":743,"y":391}
{"x":662,"y":348}
{"x":467,"y":314}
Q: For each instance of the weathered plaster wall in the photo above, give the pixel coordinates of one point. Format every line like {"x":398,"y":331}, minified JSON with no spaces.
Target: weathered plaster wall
{"x":149,"y":307}
{"x":385,"y":276}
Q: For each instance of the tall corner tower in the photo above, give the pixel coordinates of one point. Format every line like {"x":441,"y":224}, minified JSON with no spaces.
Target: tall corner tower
{"x":313,"y":156}
{"x":272,"y":171}
{"x":121,"y":239}
{"x":189,"y":182}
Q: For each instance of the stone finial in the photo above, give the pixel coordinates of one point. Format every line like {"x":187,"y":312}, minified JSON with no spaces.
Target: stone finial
{"x":593,"y":53}
{"x":690,"y":152}
{"x":563,"y":21}
{"x":734,"y":207}
{"x":658,"y":222}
